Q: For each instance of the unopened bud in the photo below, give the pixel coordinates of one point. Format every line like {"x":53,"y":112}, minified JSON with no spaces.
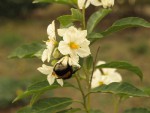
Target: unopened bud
{"x":53,"y":62}
{"x":56,"y":53}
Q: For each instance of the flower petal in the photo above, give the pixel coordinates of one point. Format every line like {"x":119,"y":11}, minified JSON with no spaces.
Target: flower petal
{"x":51,"y":79}
{"x":61,"y":32}
{"x":84,"y":51}
{"x":45,"y":55}
{"x":82,"y":2}
{"x":107,"y":3}
{"x":60,"y":81}
{"x":45,"y":69}
{"x":51,"y":30}
{"x":74,"y":60}
{"x":115,"y":77}
{"x":63,"y":47}
{"x":96,"y":2}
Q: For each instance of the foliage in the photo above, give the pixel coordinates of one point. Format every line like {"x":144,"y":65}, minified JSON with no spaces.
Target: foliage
{"x":7,"y":94}
{"x":137,"y":110}
{"x":65,"y":55}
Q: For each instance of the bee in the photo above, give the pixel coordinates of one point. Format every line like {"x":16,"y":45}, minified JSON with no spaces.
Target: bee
{"x":63,"y":70}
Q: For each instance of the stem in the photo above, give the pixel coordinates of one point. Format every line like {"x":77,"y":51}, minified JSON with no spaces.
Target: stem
{"x":116,"y":104}
{"x":87,"y":81}
{"x":83,"y":95}
{"x":83,"y":21}
{"x":94,"y":63}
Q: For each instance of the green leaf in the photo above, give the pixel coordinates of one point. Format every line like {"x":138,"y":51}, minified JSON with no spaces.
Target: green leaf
{"x":27,"y":51}
{"x":71,"y":110}
{"x":69,"y":2}
{"x":121,"y":89}
{"x":96,"y":18}
{"x":137,"y":110}
{"x":67,"y":20}
{"x":35,"y":98}
{"x":123,"y":65}
{"x":51,"y":105}
{"x":126,"y":23}
{"x":89,"y":63}
{"x":40,"y":87}
{"x":94,"y":37}
{"x":147,"y":90}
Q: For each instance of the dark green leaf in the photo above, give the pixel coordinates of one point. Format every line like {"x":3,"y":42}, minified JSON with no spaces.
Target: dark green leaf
{"x":147,"y":90}
{"x":71,"y":110}
{"x":137,"y":110}
{"x":35,"y":98}
{"x":94,"y":37}
{"x":51,"y":105}
{"x":67,"y":20}
{"x":96,"y":18}
{"x":89,"y":63}
{"x":40,"y":87}
{"x":69,"y":2}
{"x":121,"y":89}
{"x":27,"y":51}
{"x":123,"y":65}
{"x":126,"y":23}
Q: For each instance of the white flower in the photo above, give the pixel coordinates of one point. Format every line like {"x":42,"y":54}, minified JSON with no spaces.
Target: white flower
{"x":50,"y":43}
{"x":107,"y":76}
{"x":81,"y":3}
{"x":107,"y":3}
{"x":96,"y":2}
{"x":48,"y":70}
{"x":104,"y":3}
{"x":74,"y":42}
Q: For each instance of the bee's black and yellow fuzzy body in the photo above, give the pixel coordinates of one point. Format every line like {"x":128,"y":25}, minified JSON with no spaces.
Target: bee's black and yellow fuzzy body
{"x":63,"y":71}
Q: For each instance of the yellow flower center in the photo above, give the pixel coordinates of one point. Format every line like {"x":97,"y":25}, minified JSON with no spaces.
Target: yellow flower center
{"x":73,"y":45}
{"x":101,"y":83}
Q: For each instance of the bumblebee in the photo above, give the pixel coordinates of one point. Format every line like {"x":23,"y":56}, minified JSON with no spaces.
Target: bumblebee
{"x":63,"y":70}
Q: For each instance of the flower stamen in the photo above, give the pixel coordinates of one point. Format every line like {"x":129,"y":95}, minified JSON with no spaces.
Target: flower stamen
{"x":101,"y":83}
{"x":73,"y":45}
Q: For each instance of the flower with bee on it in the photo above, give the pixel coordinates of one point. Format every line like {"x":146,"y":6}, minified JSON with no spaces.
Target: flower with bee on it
{"x":63,"y":69}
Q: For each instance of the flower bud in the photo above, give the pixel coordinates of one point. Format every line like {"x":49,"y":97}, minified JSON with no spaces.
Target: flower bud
{"x":53,"y":62}
{"x":56,"y":53}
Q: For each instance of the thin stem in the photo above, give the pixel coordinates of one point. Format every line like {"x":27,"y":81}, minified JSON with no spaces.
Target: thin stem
{"x":94,"y":63}
{"x":83,"y":95}
{"x":116,"y":104}
{"x":87,"y":81}
{"x":90,"y":80}
{"x":83,"y":21}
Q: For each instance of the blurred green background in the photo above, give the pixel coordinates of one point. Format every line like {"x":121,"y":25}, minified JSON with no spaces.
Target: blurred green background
{"x":23,"y":22}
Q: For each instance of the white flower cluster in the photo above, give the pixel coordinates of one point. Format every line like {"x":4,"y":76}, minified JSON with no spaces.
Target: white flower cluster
{"x":104,"y":3}
{"x":72,"y":46}
{"x":105,"y":76}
